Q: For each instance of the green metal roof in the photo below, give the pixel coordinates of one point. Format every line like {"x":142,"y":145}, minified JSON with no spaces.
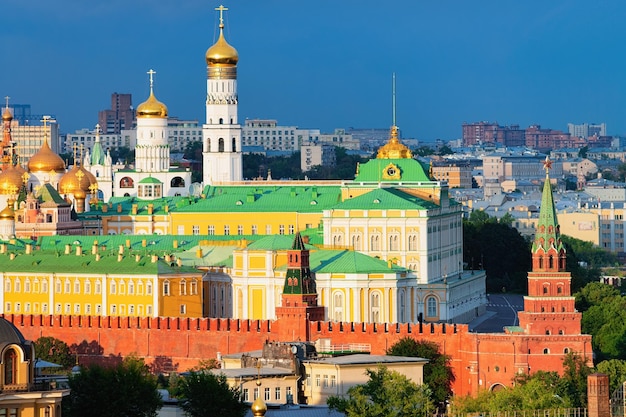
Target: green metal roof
{"x":275,"y":242}
{"x":150,"y":180}
{"x":410,"y":170}
{"x":47,"y":193}
{"x":385,"y":199}
{"x":244,"y":199}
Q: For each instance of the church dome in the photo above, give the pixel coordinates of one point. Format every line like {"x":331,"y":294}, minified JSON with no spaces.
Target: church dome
{"x":152,"y":108}
{"x":6,"y":115}
{"x":10,"y":334}
{"x":221,"y":53}
{"x":46,"y":160}
{"x":7,"y":213}
{"x":78,"y":181}
{"x":10,"y":181}
{"x":394,"y":149}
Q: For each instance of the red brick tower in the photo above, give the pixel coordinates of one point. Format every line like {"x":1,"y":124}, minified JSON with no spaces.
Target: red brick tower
{"x":299,"y":298}
{"x":549,"y":306}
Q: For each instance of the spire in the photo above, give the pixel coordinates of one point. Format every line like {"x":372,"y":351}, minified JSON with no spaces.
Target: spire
{"x":548,"y":251}
{"x":97,"y":153}
{"x":298,"y":279}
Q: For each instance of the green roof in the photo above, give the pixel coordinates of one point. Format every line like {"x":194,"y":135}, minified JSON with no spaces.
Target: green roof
{"x":245,"y":199}
{"x":47,"y":193}
{"x":386,"y":199}
{"x":275,"y":242}
{"x":150,"y":180}
{"x":410,"y":170}
{"x":346,"y":261}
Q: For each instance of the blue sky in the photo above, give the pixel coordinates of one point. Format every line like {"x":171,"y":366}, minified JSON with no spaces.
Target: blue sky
{"x":327,"y":63}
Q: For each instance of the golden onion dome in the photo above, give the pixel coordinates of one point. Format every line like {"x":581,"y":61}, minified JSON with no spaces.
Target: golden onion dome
{"x":221,"y":53}
{"x":10,"y":181}
{"x":7,"y":213}
{"x":152,"y":108}
{"x":46,"y":160}
{"x":394,"y":149}
{"x":7,"y":115}
{"x":77,"y":181}
{"x":258,"y":407}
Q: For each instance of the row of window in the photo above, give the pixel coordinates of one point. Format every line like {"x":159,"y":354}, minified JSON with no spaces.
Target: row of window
{"x":78,"y":308}
{"x":254,"y":230}
{"x":182,"y":287}
{"x":324,"y":381}
{"x":267,"y":394}
{"x":69,"y":287}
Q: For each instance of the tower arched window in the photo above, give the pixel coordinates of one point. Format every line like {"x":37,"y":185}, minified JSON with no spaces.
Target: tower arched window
{"x":234,"y":147}
{"x":10,"y":367}
{"x":551,"y":262}
{"x":221,"y":121}
{"x":375,"y":307}
{"x":220,"y":144}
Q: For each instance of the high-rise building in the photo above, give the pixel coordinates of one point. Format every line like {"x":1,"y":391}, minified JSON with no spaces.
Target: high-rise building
{"x":119,"y":117}
{"x":585,"y":130}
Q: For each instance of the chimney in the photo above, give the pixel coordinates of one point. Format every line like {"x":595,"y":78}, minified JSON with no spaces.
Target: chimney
{"x":134,"y":209}
{"x":137,"y":258}
{"x":175,"y":244}
{"x":199,"y":253}
{"x":119,"y":208}
{"x":144,"y":243}
{"x":12,"y":256}
{"x":166,"y":208}
{"x":79,"y":250}
{"x":94,"y":248}
{"x":29,"y":249}
{"x":128,"y":243}
{"x":68,"y":249}
{"x":155,"y":258}
{"x":179,"y":262}
{"x":150,"y":208}
{"x":3,"y":248}
{"x":105,"y":208}
{"x":121,"y":251}
{"x":120,"y":257}
{"x":97,"y":257}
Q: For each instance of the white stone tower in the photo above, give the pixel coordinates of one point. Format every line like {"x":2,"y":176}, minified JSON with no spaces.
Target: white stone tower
{"x":221,"y":134}
{"x":152,"y":153}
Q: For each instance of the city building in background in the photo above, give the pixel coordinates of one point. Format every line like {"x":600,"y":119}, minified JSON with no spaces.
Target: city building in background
{"x":586,"y":129}
{"x":120,"y":116}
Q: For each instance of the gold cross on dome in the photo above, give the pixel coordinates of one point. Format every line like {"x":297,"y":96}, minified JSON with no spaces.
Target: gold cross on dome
{"x":7,"y":100}
{"x":221,"y":9}
{"x":151,"y":73}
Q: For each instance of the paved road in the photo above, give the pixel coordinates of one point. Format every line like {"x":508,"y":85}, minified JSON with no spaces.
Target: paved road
{"x":501,"y":311}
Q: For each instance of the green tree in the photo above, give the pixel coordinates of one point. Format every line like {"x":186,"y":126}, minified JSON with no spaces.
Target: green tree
{"x":573,"y":383}
{"x":438,"y":373}
{"x":594,"y":294}
{"x":616,"y":370}
{"x":202,"y":393}
{"x":387,"y":393}
{"x":54,"y":350}
{"x":127,"y":389}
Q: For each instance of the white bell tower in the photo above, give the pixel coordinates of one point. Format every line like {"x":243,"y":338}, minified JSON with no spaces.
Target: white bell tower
{"x":221,"y":134}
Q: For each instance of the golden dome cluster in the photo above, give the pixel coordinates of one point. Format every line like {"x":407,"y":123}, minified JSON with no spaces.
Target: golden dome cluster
{"x":394,"y":149}
{"x":7,"y":213}
{"x":45,"y":160}
{"x":152,"y":108}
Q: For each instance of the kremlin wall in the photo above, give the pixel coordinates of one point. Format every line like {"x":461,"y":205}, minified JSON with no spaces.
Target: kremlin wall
{"x":387,"y":263}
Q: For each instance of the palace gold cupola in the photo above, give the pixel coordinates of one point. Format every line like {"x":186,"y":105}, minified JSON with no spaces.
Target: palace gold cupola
{"x":221,"y":134}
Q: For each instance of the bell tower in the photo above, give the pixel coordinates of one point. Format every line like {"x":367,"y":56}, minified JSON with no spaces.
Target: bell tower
{"x":221,"y":134}
{"x":549,"y":305}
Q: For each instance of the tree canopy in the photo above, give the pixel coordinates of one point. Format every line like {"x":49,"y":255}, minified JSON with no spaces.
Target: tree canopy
{"x":54,"y":350}
{"x":127,"y":389}
{"x":438,"y":374}
{"x":386,"y":393}
{"x":202,"y":393}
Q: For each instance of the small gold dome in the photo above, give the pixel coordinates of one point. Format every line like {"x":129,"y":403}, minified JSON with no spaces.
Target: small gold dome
{"x":221,"y":53}
{"x":258,"y":407}
{"x":77,"y":181}
{"x":152,"y":108}
{"x":7,"y":115}
{"x":7,"y":213}
{"x":394,"y":149}
{"x":46,"y":160}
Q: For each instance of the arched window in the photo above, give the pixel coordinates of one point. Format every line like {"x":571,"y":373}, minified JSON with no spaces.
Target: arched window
{"x":166,"y":287}
{"x":221,"y":121}
{"x":375,"y":307}
{"x":10,"y":367}
{"x":545,"y":289}
{"x":177,"y":182}
{"x":127,"y":182}
{"x":375,"y":242}
{"x":546,"y":351}
{"x":559,"y":289}
{"x":431,"y":307}
{"x":338,"y":306}
{"x":356,"y":242}
{"x":394,"y":242}
{"x":412,"y":242}
{"x":183,"y":287}
{"x":220,"y":144}
{"x":550,"y":262}
{"x":234,"y":147}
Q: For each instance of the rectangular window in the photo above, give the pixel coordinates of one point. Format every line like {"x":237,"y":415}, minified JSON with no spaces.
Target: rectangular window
{"x":281,"y":229}
{"x":211,"y":230}
{"x":240,"y":229}
{"x":88,"y":308}
{"x":333,"y":381}
{"x":317,"y":380}
{"x":98,"y":309}
{"x":131,"y":310}
{"x":246,"y":395}
{"x":256,"y":393}
{"x":149,"y":310}
{"x":27,"y":307}
{"x":226,"y":230}
{"x":113,"y":309}
{"x":76,"y":308}
{"x":44,"y":308}
{"x":325,"y":381}
{"x":277,"y":393}
{"x":267,"y":396}
{"x":254,"y":229}
{"x":196,"y":230}
{"x":76,"y":287}
{"x":291,"y":229}
{"x":183,"y":309}
{"x":68,"y":308}
{"x":268,"y":229}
